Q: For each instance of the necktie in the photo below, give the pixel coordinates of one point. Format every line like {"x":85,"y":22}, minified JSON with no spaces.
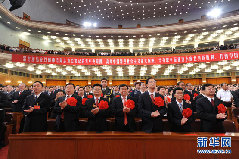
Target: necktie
{"x":152,"y":98}
{"x":212,"y":101}
{"x":125,"y":115}
{"x":97,"y":102}
{"x":180,"y":107}
{"x":20,"y":93}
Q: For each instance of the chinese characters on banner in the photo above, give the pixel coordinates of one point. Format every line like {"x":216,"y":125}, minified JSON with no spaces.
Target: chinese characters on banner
{"x":63,"y":60}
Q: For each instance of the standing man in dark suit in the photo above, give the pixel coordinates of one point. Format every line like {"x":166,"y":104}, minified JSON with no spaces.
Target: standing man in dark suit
{"x":68,"y":112}
{"x":136,"y":92}
{"x":18,"y":98}
{"x":87,"y":92}
{"x":35,"y":109}
{"x":107,"y":93}
{"x":207,"y":111}
{"x":96,"y":115}
{"x":124,"y":116}
{"x":152,"y":108}
{"x":178,"y":122}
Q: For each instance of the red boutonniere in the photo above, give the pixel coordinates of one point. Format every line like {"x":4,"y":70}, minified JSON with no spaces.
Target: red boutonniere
{"x":195,"y":95}
{"x":186,"y":97}
{"x":117,"y":96}
{"x":187,"y":112}
{"x":159,"y":101}
{"x":167,"y":99}
{"x":84,"y":100}
{"x":71,"y":101}
{"x":90,"y":96}
{"x":103,"y":105}
{"x":221,"y":108}
{"x":130,"y":104}
{"x":102,"y":95}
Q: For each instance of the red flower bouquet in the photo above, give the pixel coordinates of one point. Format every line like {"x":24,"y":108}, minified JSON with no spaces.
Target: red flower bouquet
{"x":130,"y":104}
{"x":187,"y":112}
{"x":90,"y":96}
{"x":84,"y":100}
{"x":158,"y":101}
{"x":71,"y":101}
{"x":195,"y":95}
{"x":221,"y":108}
{"x":117,"y":96}
{"x":103,"y":105}
{"x":186,"y":97}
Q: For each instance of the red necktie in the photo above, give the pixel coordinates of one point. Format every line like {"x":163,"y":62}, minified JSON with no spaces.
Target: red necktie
{"x":212,"y":101}
{"x":97,"y":102}
{"x":20,"y":93}
{"x":125,"y":115}
{"x":152,"y":98}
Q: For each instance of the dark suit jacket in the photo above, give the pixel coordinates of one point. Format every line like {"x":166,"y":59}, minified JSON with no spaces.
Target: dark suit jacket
{"x":207,"y":113}
{"x":71,"y":114}
{"x":96,"y":122}
{"x":36,"y":121}
{"x":17,"y":107}
{"x":4,"y":101}
{"x":117,"y":109}
{"x":193,"y":101}
{"x":175,"y":117}
{"x":146,"y":107}
{"x":135,"y":94}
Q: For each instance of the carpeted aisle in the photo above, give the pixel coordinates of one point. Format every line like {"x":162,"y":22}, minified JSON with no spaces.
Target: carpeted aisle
{"x":3,"y":152}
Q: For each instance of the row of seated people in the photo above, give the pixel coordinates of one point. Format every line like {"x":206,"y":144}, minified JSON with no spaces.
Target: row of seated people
{"x":84,"y":53}
{"x":150,"y":107}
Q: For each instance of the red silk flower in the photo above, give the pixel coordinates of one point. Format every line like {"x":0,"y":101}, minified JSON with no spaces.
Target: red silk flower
{"x":167,"y":99}
{"x":103,"y":105}
{"x":71,"y":101}
{"x":186,"y":97}
{"x":159,"y":101}
{"x":130,"y":104}
{"x":84,"y":100}
{"x":221,"y":108}
{"x":90,"y":96}
{"x":102,"y":95}
{"x":117,"y":96}
{"x":195,"y":95}
{"x":187,"y":112}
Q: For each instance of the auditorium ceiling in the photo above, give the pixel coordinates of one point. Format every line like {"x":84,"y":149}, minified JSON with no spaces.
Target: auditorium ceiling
{"x":131,"y":10}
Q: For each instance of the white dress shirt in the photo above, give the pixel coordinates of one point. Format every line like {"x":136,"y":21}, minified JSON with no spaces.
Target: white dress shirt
{"x":224,"y":95}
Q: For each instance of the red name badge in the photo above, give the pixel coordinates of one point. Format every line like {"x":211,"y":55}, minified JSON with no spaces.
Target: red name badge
{"x":36,"y":106}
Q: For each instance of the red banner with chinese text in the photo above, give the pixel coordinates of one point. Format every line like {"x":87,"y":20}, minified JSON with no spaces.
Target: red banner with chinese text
{"x":60,"y":60}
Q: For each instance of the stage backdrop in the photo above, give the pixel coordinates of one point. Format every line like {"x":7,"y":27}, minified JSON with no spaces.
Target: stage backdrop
{"x":44,"y":59}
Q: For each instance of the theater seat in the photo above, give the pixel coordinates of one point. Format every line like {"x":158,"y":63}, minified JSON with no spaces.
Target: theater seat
{"x":229,"y":126}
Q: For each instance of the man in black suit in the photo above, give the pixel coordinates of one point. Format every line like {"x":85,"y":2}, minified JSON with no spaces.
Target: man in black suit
{"x":87,"y":92}
{"x":18,"y":98}
{"x":151,"y":113}
{"x":136,"y":92}
{"x":35,"y":109}
{"x":124,"y":117}
{"x":81,"y":92}
{"x":192,"y":95}
{"x":96,"y":116}
{"x":177,"y":121}
{"x":68,"y":115}
{"x":207,"y":111}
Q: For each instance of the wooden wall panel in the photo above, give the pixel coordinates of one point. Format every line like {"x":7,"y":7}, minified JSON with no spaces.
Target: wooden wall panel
{"x":14,"y":79}
{"x":79,"y":82}
{"x":169,"y":82}
{"x":119,"y":82}
{"x":55,"y":82}
{"x":194,"y":81}
{"x":96,"y":81}
{"x":219,"y":80}
{"x":237,"y":79}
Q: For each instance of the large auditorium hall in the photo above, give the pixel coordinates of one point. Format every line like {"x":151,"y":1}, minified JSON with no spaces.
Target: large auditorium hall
{"x":119,"y":79}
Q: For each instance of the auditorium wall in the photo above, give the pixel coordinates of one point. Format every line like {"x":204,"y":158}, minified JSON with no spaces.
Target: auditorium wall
{"x":11,"y":37}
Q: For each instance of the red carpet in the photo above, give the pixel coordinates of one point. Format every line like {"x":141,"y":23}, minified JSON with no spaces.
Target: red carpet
{"x":3,"y":152}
